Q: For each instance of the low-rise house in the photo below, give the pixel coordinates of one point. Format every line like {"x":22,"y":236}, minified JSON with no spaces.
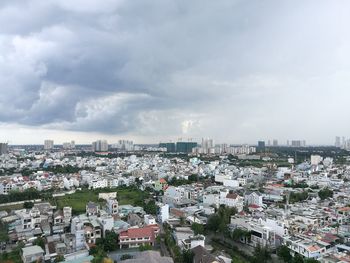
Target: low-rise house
{"x":233,"y":200}
{"x":193,"y":241}
{"x":306,"y":247}
{"x":32,"y":254}
{"x":135,"y":237}
{"x":201,"y":255}
{"x":160,"y":185}
{"x":163,"y":215}
{"x":106,"y":223}
{"x":149,"y":220}
{"x":254,"y":198}
{"x":92,"y":209}
{"x":182,"y":233}
{"x":134,"y":220}
{"x":124,"y":210}
{"x":92,"y":232}
{"x":77,"y":229}
{"x":211,"y":199}
{"x":98,"y":183}
{"x":112,"y":206}
{"x":260,"y":234}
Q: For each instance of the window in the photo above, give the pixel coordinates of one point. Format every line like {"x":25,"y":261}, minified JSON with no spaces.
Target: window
{"x":257,"y":234}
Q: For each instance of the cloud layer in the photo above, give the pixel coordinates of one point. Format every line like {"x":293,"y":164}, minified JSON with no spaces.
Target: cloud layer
{"x":232,"y":70}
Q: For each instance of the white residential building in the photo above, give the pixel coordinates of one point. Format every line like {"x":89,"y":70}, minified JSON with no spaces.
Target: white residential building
{"x":98,"y":183}
{"x":211,"y":199}
{"x":234,"y":200}
{"x":112,"y":206}
{"x":149,"y":220}
{"x":164,"y":213}
{"x":254,"y":198}
{"x":231,"y":183}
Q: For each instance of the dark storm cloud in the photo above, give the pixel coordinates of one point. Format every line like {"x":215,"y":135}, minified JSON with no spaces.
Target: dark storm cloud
{"x":226,"y":69}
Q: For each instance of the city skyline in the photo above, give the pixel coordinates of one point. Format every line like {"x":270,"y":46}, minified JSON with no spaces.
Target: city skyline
{"x":205,"y":142}
{"x":234,"y":71}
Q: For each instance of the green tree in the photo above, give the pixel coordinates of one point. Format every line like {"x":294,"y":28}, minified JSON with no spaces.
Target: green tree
{"x":193,"y":178}
{"x":197,"y":228}
{"x":284,"y":253}
{"x":220,"y":220}
{"x":99,"y":254}
{"x":5,"y":255}
{"x":110,"y":242}
{"x":187,"y":256}
{"x":59,"y":258}
{"x":151,"y":207}
{"x":28,"y":205}
{"x":213,"y":223}
{"x":325,"y":193}
{"x":145,"y":247}
{"x":40,"y":242}
{"x":298,"y":259}
{"x":239,"y":233}
{"x":298,"y":197}
{"x":262,"y":254}
{"x":311,"y":260}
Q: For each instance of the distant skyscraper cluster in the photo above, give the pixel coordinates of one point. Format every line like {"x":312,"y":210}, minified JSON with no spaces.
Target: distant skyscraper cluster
{"x":124,"y":145}
{"x":207,"y":147}
{"x":274,"y":143}
{"x":68,"y":145}
{"x":48,"y":145}
{"x":179,"y":147}
{"x":342,"y":143}
{"x":298,"y":143}
{"x":100,"y":146}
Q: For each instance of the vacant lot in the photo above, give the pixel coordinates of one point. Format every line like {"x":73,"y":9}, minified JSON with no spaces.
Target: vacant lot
{"x":79,"y":199}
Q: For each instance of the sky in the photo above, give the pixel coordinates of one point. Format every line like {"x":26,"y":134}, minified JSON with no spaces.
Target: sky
{"x":236,"y":71}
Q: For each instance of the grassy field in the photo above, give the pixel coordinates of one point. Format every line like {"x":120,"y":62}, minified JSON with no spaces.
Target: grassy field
{"x":79,"y":199}
{"x":9,"y":208}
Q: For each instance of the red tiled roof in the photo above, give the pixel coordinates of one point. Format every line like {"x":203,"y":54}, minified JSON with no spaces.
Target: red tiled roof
{"x":242,"y":213}
{"x":232,"y":196}
{"x":346,"y":208}
{"x":147,"y":231}
{"x":313,"y":248}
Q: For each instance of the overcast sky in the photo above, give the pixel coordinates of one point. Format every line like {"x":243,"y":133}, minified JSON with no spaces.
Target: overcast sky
{"x":235,"y":71}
